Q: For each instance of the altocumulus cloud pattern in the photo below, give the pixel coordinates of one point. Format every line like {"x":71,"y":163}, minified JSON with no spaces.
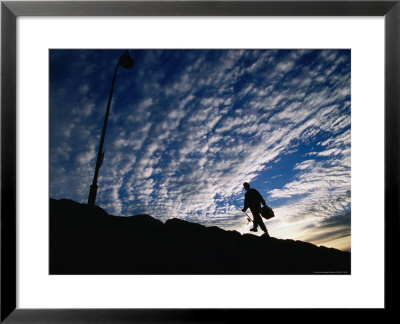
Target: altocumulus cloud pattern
{"x":188,"y":127}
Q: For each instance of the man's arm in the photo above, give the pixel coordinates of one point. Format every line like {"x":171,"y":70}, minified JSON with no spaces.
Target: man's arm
{"x":246,"y":204}
{"x":262,"y":199}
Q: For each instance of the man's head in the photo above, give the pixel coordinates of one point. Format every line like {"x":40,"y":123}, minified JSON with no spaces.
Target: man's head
{"x":246,"y":186}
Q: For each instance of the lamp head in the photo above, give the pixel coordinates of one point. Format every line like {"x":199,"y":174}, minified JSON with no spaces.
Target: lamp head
{"x":126,"y":61}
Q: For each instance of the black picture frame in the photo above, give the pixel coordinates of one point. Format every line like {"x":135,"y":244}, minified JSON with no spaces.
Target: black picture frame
{"x":10,"y":10}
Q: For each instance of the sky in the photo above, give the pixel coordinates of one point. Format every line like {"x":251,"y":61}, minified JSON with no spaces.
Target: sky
{"x":188,"y":127}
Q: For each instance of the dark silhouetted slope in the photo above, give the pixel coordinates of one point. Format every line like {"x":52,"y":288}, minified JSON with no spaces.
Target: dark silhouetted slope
{"x":87,"y":240}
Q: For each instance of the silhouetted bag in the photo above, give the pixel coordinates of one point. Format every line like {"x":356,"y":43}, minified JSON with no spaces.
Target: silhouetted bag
{"x":267,"y":212}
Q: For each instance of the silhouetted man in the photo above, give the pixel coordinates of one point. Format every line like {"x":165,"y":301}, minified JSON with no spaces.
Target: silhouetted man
{"x":253,"y":200}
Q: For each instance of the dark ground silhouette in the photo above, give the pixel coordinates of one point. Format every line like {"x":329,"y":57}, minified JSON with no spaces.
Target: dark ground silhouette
{"x":86,"y":240}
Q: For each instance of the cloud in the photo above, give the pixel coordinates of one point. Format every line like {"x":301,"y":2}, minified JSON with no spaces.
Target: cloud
{"x":84,"y":88}
{"x":285,"y":66}
{"x":84,"y":158}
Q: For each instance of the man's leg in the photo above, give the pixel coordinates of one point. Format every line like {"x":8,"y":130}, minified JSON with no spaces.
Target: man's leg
{"x":261,"y":223}
{"x":262,"y":226}
{"x":255,"y":224}
{"x":258,"y":221}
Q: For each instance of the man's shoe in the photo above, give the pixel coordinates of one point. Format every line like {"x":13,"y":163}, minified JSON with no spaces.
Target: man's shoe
{"x":253,"y":229}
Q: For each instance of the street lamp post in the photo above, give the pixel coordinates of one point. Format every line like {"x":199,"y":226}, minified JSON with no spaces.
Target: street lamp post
{"x":126,"y":62}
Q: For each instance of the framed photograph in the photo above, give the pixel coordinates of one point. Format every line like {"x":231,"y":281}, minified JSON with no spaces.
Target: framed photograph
{"x":187,"y":129}
{"x":160,"y":158}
